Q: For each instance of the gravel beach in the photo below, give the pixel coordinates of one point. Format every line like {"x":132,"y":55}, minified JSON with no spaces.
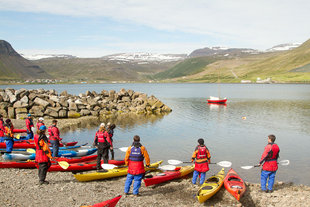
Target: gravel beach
{"x":19,"y":187}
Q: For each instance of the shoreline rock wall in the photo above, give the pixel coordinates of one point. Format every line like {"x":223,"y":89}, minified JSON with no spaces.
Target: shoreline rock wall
{"x":16,"y":104}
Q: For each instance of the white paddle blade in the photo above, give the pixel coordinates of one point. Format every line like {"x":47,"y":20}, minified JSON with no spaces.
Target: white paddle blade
{"x":108,"y":166}
{"x":284,"y":162}
{"x":224,"y":163}
{"x":123,"y":149}
{"x":174,"y":162}
{"x":167,"y":167}
{"x":247,"y":167}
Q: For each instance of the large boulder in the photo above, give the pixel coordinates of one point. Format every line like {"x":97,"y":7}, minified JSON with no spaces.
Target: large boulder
{"x":41,"y":102}
{"x":62,"y":113}
{"x":11,"y":112}
{"x":73,"y":114}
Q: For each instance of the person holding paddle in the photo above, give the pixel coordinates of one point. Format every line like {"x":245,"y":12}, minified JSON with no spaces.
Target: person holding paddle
{"x":54,"y":138}
{"x":202,"y":156}
{"x":43,"y":154}
{"x":135,"y":155}
{"x":269,"y":160}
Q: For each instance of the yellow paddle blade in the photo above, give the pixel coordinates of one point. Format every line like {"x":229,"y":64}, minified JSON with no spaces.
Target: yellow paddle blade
{"x":63,"y":164}
{"x":17,"y":136}
{"x":30,"y":150}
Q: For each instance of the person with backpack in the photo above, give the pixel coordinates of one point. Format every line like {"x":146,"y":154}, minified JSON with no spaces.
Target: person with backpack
{"x":202,"y":159}
{"x":135,"y":155}
{"x":29,"y":126}
{"x":103,"y":142}
{"x":110,"y":130}
{"x":54,"y":137}
{"x":9,"y":135}
{"x":43,"y":154}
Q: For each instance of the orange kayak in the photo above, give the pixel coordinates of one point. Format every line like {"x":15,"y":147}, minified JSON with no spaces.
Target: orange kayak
{"x":234,"y":184}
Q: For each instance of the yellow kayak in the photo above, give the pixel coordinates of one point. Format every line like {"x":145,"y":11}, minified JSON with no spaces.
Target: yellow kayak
{"x":211,"y":186}
{"x":117,"y":172}
{"x":186,"y":170}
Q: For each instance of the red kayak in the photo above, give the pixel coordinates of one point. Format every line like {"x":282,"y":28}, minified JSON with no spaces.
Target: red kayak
{"x":19,"y":130}
{"x":109,"y":203}
{"x":234,"y":184}
{"x":31,"y":164}
{"x":82,"y":166}
{"x":168,"y":175}
{"x":30,"y":144}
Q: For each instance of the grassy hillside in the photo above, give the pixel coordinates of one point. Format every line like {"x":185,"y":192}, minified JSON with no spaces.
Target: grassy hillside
{"x":100,"y":69}
{"x":285,"y":66}
{"x":187,"y":67}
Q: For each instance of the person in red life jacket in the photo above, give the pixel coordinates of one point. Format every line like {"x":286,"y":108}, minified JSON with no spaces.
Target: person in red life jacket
{"x":135,"y":155}
{"x":110,"y":130}
{"x":1,"y":128}
{"x":103,"y":142}
{"x":269,"y":162}
{"x":203,"y":158}
{"x":9,"y":135}
{"x":43,"y":154}
{"x":54,"y":137}
{"x":40,"y":123}
{"x":29,"y":126}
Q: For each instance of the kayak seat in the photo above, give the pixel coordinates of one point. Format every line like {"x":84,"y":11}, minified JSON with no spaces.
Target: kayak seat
{"x":234,"y":179}
{"x":236,"y":186}
{"x":212,"y":180}
{"x":207,"y":187}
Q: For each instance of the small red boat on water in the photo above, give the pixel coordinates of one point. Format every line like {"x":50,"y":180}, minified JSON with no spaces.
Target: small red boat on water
{"x":217,"y":100}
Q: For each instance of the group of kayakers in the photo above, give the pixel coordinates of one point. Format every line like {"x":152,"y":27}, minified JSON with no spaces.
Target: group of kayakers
{"x":135,"y":154}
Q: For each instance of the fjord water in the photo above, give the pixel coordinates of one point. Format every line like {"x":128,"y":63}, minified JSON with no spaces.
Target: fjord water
{"x":279,"y":109}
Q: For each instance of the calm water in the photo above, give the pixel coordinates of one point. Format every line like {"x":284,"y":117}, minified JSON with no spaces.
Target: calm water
{"x":283,"y":110}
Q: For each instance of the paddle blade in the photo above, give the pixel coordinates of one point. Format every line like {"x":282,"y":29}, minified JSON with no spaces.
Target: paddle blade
{"x":174,"y":162}
{"x":63,"y":164}
{"x":167,"y":167}
{"x":284,"y":162}
{"x":30,"y":150}
{"x":247,"y":167}
{"x":224,"y":163}
{"x":108,"y":166}
{"x":17,"y":136}
{"x":123,"y":149}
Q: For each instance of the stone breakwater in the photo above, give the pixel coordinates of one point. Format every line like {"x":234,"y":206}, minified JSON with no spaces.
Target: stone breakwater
{"x":16,"y":104}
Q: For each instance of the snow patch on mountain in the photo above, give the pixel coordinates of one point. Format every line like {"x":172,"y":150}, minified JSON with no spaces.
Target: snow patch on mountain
{"x":282,"y":47}
{"x":42,"y":56}
{"x":144,"y":58}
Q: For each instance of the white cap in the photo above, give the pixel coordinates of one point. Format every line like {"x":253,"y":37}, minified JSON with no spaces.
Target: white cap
{"x":102,"y":125}
{"x":108,"y":123}
{"x":41,"y":119}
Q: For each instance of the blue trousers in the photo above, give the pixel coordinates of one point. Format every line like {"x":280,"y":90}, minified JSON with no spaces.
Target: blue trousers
{"x":9,"y":144}
{"x":202,"y":177}
{"x":55,"y":145}
{"x":263,"y":179}
{"x":136,"y":185}
{"x":29,"y":135}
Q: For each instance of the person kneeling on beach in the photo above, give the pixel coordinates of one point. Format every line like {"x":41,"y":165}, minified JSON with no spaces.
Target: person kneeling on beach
{"x":43,"y":154}
{"x":202,"y":156}
{"x":270,"y":165}
{"x":135,"y":155}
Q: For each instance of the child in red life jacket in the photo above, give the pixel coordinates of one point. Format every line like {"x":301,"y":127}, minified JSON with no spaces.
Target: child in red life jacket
{"x":202,"y":156}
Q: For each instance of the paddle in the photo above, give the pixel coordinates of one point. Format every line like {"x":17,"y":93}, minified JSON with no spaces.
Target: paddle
{"x":282,"y":162}
{"x":222,"y":163}
{"x":123,"y":149}
{"x":111,"y":166}
{"x":62,"y":164}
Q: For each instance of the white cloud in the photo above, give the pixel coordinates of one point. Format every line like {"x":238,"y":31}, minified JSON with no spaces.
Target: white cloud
{"x":257,"y":23}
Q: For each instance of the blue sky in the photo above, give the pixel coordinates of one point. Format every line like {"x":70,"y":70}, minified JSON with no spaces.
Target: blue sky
{"x":94,"y":28}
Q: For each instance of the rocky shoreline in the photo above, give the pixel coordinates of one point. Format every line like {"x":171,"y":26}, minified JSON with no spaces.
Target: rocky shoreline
{"x":19,"y":187}
{"x":16,"y":104}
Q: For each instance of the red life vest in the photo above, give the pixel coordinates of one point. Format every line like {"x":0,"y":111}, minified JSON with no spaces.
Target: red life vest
{"x":202,"y":166}
{"x":202,"y":152}
{"x":136,"y":165}
{"x":101,"y":136}
{"x":1,"y":128}
{"x":270,"y":161}
{"x":41,"y":156}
